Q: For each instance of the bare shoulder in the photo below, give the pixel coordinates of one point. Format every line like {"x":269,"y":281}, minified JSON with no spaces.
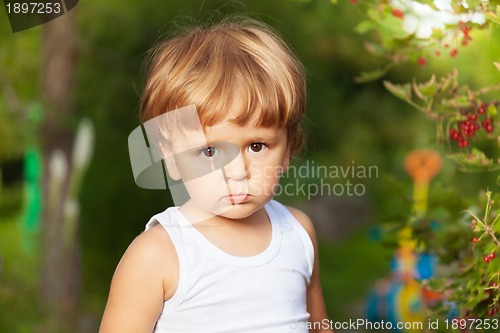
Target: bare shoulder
{"x":154,"y":252}
{"x":145,"y":277}
{"x":151,"y":246}
{"x":304,"y":220}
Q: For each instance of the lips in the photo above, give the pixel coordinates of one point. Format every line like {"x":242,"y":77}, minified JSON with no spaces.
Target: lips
{"x":237,"y":198}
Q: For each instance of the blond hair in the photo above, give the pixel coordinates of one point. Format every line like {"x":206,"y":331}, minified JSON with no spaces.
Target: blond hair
{"x":236,"y":64}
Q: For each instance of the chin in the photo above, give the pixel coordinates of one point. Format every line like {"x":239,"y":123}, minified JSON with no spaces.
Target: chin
{"x":238,"y":211}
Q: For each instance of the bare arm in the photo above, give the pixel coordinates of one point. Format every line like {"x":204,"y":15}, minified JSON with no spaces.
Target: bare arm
{"x":140,"y":284}
{"x":315,"y":301}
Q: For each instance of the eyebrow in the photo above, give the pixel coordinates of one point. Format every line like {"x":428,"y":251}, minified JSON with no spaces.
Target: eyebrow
{"x":260,"y":138}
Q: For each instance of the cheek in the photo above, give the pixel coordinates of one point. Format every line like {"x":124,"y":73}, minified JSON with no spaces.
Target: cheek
{"x":265,"y":176}
{"x":207,"y":185}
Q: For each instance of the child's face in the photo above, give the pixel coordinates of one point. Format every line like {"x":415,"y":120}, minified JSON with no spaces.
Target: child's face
{"x":231,"y":170}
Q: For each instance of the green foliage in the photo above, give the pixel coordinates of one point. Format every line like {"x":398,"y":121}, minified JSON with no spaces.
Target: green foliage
{"x":345,"y":122}
{"x":458,"y":112}
{"x":401,"y":33}
{"x":472,"y":273}
{"x":469,"y":272}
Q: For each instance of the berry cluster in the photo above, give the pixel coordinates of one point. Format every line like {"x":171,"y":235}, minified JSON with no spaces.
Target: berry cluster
{"x":467,"y":128}
{"x":466,"y":38}
{"x":488,"y":257}
{"x":465,"y":32}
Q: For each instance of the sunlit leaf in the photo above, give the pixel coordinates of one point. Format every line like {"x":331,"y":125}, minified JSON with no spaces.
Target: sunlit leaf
{"x":417,"y":91}
{"x":364,"y":26}
{"x":392,"y":27}
{"x":492,"y":110}
{"x":475,"y":161}
{"x":400,"y":91}
{"x":364,"y":77}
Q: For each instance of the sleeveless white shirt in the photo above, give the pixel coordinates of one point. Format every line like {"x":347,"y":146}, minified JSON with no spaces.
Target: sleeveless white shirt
{"x":221,"y":293}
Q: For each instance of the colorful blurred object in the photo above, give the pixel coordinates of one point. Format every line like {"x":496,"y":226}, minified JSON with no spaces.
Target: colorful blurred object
{"x":399,"y":298}
{"x":33,"y":205}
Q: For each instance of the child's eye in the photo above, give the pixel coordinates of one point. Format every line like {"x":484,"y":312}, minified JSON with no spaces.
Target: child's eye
{"x":257,"y":147}
{"x":209,"y":152}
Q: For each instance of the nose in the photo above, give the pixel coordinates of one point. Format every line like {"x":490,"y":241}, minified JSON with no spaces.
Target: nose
{"x":236,"y":169}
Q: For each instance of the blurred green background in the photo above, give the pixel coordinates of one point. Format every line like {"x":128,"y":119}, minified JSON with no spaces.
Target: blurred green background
{"x":345,"y":122}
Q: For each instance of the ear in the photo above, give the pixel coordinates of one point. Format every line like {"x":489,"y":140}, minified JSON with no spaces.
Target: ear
{"x":172,"y":169}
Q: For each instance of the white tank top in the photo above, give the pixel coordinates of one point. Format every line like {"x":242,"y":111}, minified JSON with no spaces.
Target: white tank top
{"x":221,"y":293}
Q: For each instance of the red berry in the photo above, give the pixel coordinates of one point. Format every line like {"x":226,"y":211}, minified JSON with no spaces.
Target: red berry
{"x":486,"y":122}
{"x":474,"y":240}
{"x":454,"y":135}
{"x":446,"y":45}
{"x":492,"y":255}
{"x":489,"y":128}
{"x":465,"y":41}
{"x":472,"y":116}
{"x":493,"y":284}
{"x":354,"y":1}
{"x":462,"y":143}
{"x":398,"y":13}
{"x":422,"y":61}
{"x":486,"y":259}
{"x":453,"y":53}
{"x":482,"y":108}
{"x":437,"y":53}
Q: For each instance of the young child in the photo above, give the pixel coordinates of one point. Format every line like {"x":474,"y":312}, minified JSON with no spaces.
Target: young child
{"x":227,"y":100}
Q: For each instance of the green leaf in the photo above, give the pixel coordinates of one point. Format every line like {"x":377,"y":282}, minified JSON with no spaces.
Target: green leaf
{"x":364,"y":77}
{"x":429,"y":88}
{"x":400,"y":91}
{"x":364,"y":26}
{"x":493,"y":17}
{"x":475,"y":161}
{"x":417,"y":91}
{"x":392,"y":27}
{"x":374,"y":15}
{"x":459,"y":102}
{"x":492,"y":110}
